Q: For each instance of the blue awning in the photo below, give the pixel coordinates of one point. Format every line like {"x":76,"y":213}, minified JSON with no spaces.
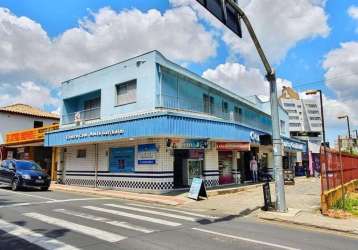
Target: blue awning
{"x":161,"y":125}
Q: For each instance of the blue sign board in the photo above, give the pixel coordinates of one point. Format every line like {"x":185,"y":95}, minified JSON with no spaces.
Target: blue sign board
{"x":121,"y":160}
{"x":197,"y":189}
{"x":147,"y":154}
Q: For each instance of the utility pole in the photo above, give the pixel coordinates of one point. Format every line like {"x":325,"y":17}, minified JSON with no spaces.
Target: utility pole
{"x":227,"y":9}
{"x":349,"y":132}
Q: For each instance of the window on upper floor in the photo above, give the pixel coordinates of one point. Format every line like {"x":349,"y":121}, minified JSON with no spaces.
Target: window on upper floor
{"x":208,"y":102}
{"x":224,"y":107}
{"x":283,"y":126}
{"x":126,"y":92}
{"x":38,"y":124}
{"x":313,"y":112}
{"x":311,"y":105}
{"x":294,"y":117}
{"x":315,"y":118}
{"x":295,"y":124}
{"x":237,"y":113}
{"x":289,"y":105}
{"x":292,"y":111}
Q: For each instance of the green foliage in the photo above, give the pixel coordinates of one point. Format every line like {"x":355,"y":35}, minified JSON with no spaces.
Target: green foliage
{"x":350,"y":205}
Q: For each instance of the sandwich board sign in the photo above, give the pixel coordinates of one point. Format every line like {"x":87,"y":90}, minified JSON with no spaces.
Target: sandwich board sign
{"x":197,"y":189}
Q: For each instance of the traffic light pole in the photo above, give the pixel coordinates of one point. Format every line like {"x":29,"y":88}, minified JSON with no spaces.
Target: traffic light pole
{"x":276,"y":137}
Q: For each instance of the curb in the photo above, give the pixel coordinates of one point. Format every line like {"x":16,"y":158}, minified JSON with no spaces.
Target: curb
{"x":292,"y":222}
{"x":212,"y":193}
{"x":127,"y":196}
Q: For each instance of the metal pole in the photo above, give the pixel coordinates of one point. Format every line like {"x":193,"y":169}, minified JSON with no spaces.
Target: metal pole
{"x":349,"y":135}
{"x":96,"y":165}
{"x":341,"y":168}
{"x":276,"y":137}
{"x":324,"y":144}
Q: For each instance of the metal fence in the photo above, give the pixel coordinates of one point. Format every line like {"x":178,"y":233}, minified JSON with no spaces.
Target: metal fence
{"x":338,"y":169}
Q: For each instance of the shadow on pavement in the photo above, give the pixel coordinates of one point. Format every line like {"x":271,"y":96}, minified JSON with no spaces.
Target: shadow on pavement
{"x":229,"y":217}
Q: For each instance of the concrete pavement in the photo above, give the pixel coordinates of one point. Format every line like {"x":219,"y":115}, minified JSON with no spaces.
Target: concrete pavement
{"x":63,"y":220}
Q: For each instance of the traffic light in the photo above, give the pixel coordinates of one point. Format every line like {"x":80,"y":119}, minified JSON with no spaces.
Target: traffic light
{"x":223,"y":11}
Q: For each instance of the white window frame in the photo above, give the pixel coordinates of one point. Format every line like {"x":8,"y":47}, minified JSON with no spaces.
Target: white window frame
{"x":128,"y":98}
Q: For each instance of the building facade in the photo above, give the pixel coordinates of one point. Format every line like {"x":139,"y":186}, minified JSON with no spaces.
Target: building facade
{"x":147,"y":124}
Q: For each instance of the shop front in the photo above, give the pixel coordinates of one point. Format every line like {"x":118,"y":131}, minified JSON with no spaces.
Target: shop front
{"x":230,"y":159}
{"x":29,"y":145}
{"x":139,"y":155}
{"x":293,"y":151}
{"x":189,"y":158}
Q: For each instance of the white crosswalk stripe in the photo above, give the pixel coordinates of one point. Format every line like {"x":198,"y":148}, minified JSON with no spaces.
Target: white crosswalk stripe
{"x":34,"y":237}
{"x":134,"y":216}
{"x":153,"y":212}
{"x":90,"y":231}
{"x":105,"y":220}
{"x":176,"y":211}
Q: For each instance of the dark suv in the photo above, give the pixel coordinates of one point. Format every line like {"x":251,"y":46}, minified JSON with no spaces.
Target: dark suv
{"x":20,"y":173}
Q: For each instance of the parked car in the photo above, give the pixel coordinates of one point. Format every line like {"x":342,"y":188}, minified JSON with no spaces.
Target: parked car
{"x":26,"y":174}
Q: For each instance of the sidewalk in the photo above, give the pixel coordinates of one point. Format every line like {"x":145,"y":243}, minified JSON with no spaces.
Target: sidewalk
{"x":174,"y":198}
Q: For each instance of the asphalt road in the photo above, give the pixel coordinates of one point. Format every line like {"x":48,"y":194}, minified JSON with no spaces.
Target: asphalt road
{"x":59,"y":220}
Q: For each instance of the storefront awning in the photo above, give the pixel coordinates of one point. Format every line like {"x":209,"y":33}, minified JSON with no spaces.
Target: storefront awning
{"x":28,"y":137}
{"x":161,"y":125}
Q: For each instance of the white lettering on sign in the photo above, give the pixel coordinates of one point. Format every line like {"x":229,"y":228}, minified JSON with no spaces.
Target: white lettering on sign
{"x":95,"y":134}
{"x":293,"y":145}
{"x":254,"y":137}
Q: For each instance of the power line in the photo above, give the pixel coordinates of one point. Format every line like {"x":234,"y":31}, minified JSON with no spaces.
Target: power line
{"x":337,"y":77}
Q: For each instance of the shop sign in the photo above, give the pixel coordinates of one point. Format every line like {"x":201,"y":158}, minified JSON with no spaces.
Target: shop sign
{"x":197,"y":189}
{"x":95,"y":134}
{"x":254,"y":137}
{"x":236,"y":146}
{"x":36,"y":134}
{"x":293,"y":145}
{"x":147,"y":153}
{"x":190,"y":144}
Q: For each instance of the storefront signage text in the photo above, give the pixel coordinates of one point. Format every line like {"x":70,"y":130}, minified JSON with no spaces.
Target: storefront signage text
{"x":238,"y":146}
{"x":293,"y":145}
{"x":254,"y":137}
{"x":95,"y":134}
{"x":147,"y":153}
{"x":30,"y":135}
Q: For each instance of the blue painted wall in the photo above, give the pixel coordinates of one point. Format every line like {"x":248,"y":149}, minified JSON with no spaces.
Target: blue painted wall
{"x":160,"y":83}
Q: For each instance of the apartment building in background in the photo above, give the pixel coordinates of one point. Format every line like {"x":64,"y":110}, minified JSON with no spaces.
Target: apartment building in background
{"x":304,"y":118}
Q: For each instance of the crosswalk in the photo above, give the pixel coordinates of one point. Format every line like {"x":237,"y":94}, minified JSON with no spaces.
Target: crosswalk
{"x":108,"y":222}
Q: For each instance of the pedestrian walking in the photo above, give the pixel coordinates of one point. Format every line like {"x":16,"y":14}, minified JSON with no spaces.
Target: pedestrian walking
{"x":253,"y":168}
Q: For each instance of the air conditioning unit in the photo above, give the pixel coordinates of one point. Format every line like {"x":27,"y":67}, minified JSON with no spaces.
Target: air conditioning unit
{"x":78,"y":120}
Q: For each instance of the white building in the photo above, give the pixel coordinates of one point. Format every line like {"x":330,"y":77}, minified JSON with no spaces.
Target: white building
{"x":304,"y":118}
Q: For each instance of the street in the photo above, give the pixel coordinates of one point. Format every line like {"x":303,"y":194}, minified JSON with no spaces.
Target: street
{"x":60,"y":220}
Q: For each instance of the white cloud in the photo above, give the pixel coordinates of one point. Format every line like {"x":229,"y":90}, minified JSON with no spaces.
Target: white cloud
{"x":342,"y":77}
{"x":353,"y":12}
{"x":27,"y":93}
{"x":279,"y":25}
{"x":242,"y":80}
{"x":342,"y":71}
{"x":101,"y":39}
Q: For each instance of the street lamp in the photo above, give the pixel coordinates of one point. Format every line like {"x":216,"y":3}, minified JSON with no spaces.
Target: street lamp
{"x":314,"y":92}
{"x":349,"y":130}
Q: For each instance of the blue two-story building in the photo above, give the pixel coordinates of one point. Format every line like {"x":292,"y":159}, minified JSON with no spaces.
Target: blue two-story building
{"x":147,"y":124}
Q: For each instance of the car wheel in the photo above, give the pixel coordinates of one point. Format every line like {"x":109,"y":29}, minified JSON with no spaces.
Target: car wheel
{"x":44,"y":189}
{"x":15,"y":185}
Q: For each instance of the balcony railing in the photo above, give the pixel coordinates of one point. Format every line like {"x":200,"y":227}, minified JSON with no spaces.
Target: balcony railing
{"x":83,"y":115}
{"x":170,"y":102}
{"x":197,"y":106}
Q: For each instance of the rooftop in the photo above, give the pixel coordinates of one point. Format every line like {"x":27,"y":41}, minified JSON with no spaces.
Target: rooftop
{"x":25,"y":109}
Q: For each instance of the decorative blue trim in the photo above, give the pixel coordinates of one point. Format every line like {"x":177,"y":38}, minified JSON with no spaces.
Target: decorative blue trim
{"x":170,"y":126}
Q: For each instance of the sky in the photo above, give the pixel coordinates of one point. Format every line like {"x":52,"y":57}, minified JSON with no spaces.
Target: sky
{"x":312,"y":44}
